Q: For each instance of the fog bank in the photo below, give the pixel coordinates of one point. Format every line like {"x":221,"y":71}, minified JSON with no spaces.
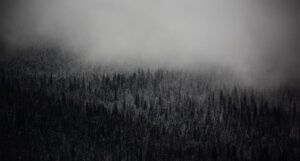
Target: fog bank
{"x":257,"y":39}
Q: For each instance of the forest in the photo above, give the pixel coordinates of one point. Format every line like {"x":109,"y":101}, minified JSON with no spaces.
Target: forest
{"x":53,"y":111}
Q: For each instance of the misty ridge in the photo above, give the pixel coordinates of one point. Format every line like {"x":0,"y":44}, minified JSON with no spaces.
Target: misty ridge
{"x":149,"y":80}
{"x":257,"y":40}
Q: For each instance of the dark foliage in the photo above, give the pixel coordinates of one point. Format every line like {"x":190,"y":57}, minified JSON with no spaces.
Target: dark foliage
{"x":142,"y":116}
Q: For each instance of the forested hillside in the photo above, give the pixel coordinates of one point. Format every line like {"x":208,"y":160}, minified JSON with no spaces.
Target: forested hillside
{"x":140,"y":115}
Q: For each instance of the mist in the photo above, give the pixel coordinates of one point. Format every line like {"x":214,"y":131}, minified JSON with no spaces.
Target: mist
{"x":257,"y":40}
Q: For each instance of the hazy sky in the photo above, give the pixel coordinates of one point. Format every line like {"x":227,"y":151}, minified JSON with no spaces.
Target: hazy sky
{"x":259,"y":37}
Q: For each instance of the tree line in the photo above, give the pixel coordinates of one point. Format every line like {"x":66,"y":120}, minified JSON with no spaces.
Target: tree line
{"x":143,"y":116}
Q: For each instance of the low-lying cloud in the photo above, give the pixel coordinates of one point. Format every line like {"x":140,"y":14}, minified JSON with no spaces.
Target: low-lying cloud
{"x":252,"y":37}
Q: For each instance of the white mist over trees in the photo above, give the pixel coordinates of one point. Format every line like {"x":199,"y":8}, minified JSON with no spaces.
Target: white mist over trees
{"x":248,"y":36}
{"x":145,"y":80}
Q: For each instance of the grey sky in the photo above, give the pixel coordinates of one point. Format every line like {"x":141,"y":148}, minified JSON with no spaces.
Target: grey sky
{"x":249,"y":36}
